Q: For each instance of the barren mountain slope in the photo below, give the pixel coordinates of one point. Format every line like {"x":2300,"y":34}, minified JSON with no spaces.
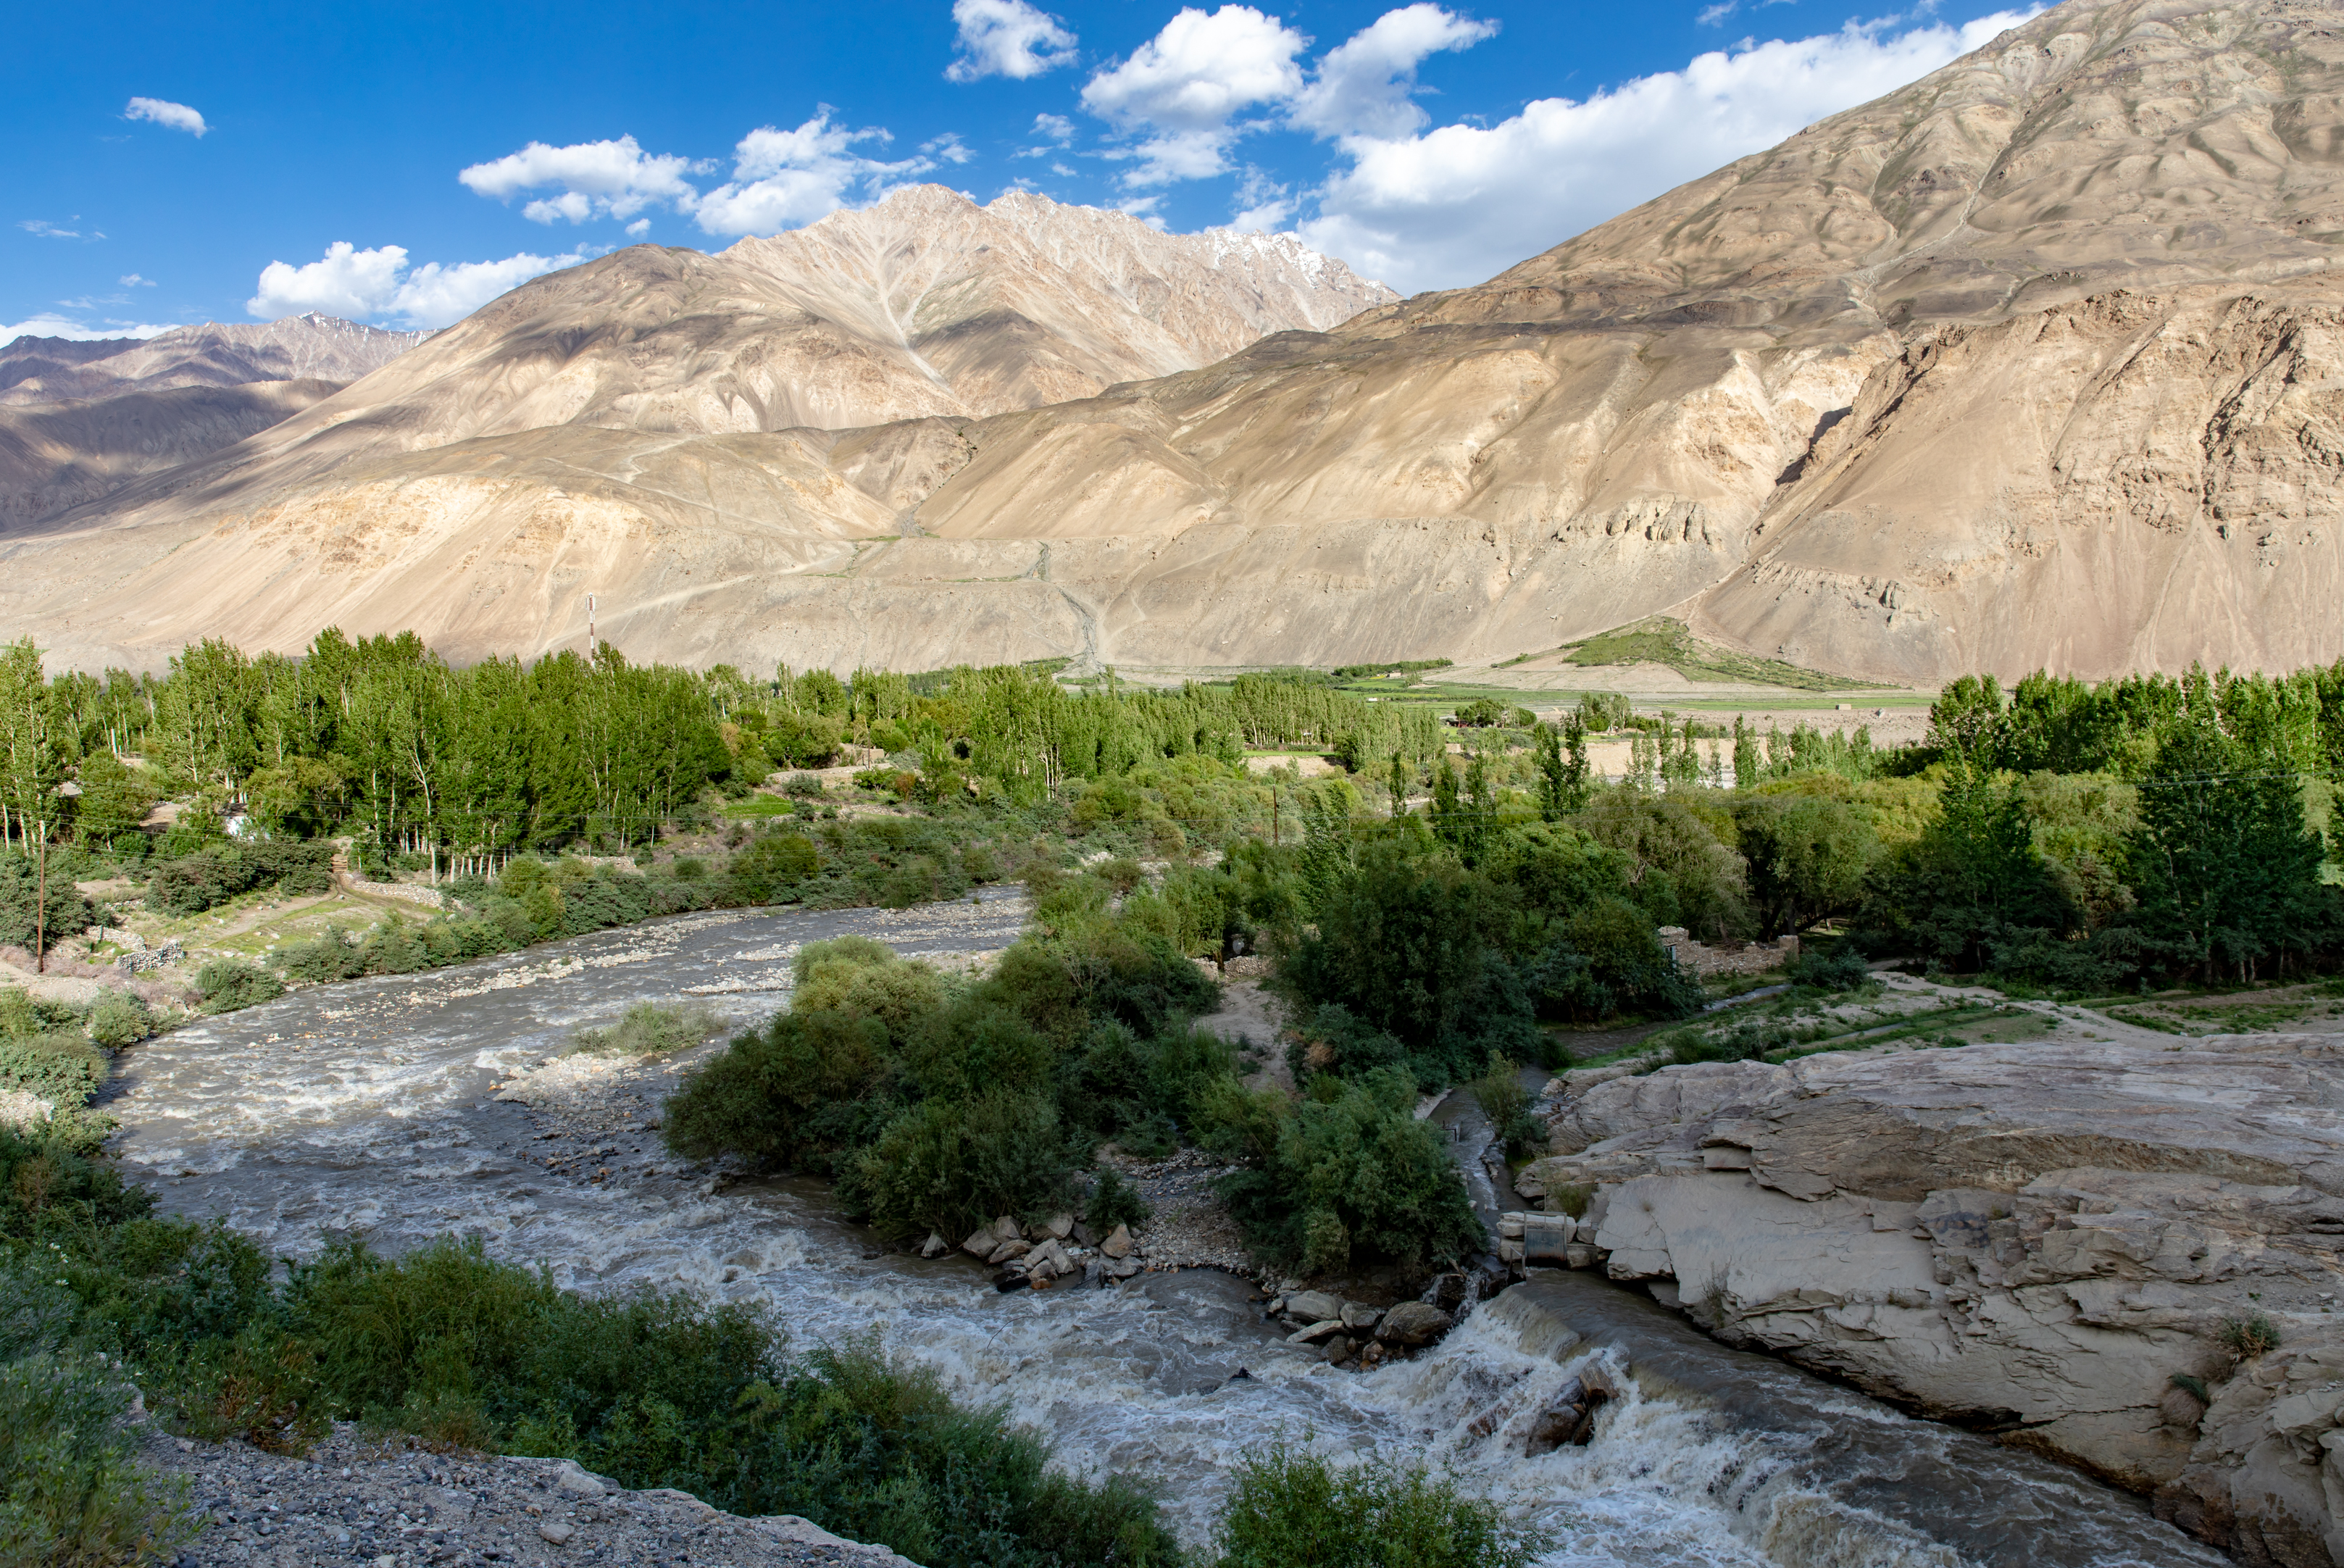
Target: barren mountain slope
{"x":54,"y":456}
{"x":2073,"y":288}
{"x":299,"y":347}
{"x":924,"y":304}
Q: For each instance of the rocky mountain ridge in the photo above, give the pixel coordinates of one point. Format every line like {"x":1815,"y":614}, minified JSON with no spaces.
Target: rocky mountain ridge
{"x":2031,"y":362}
{"x":311,"y":347}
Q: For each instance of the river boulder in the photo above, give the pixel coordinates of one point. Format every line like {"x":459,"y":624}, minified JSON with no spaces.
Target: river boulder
{"x":1314,"y":1306}
{"x":1413,"y":1323}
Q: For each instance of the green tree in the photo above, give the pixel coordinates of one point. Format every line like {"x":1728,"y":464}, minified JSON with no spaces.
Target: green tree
{"x":1807,"y":855}
{"x":2225,"y":870}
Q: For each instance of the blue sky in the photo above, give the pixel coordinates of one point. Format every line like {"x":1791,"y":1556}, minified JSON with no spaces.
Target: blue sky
{"x":406,"y":164}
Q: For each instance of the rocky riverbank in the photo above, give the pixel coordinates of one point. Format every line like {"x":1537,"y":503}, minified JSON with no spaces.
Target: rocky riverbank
{"x":399,"y":1506}
{"x":2115,"y":1246}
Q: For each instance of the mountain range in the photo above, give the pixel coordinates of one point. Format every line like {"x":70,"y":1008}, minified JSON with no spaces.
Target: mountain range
{"x":2032,"y":363}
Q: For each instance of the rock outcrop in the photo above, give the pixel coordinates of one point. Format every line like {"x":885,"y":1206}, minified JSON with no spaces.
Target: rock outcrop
{"x":2125,"y":1254}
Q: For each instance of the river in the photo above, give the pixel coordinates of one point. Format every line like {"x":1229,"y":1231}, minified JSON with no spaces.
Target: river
{"x":370,"y":1109}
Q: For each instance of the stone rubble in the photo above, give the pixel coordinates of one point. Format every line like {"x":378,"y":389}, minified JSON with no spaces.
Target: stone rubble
{"x":400,"y":1506}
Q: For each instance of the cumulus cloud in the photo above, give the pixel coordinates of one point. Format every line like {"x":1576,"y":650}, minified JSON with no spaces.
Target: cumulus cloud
{"x":596,"y":179}
{"x":1365,"y":85}
{"x":1007,"y":38}
{"x":1459,"y":203}
{"x":167,"y":114}
{"x":1184,"y":87}
{"x":46,"y":324}
{"x":781,"y":178}
{"x":348,"y":281}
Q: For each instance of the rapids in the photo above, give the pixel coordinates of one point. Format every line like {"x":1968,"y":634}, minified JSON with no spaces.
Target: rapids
{"x":368,"y":1109}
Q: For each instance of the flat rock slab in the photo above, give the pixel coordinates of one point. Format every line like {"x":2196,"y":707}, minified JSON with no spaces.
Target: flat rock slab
{"x":2071,"y":1237}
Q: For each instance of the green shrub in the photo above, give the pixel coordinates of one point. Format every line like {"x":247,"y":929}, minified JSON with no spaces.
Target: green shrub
{"x":668,"y":1391}
{"x":210,"y":876}
{"x":117,"y":1019}
{"x":45,"y":1178}
{"x":64,"y":1067}
{"x":950,"y":1166}
{"x":1291,"y":1509}
{"x":1347,"y":1176}
{"x":1839,"y":968}
{"x":773,"y":1096}
{"x":649,"y":1029}
{"x":1507,"y":1104}
{"x":227,"y":984}
{"x":2250,"y":1336}
{"x":1113,"y":1201}
{"x":73,"y":1497}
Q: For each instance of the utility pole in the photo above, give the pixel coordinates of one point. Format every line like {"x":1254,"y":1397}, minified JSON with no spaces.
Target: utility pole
{"x":41,"y":907}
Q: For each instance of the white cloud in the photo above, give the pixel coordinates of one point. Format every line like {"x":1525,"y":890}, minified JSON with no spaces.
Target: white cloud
{"x":359,"y":283}
{"x":949,"y":147}
{"x":1186,"y":84}
{"x":1362,"y":87}
{"x":132,"y":280}
{"x":48,"y":230}
{"x":781,"y":178}
{"x":640,"y":228}
{"x":164,"y":112}
{"x":1007,"y":38}
{"x":1262,"y":204}
{"x":606,"y":179}
{"x":1056,"y":127}
{"x":48,"y":326}
{"x":1715,"y":16}
{"x":1460,"y":202}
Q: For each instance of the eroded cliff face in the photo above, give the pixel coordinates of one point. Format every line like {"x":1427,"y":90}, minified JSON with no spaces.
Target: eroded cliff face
{"x":2050,"y":1240}
{"x":2131,"y":481}
{"x":2027,"y":363}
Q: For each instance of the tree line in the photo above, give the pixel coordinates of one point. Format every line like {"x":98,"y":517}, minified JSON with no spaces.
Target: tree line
{"x":381,"y":738}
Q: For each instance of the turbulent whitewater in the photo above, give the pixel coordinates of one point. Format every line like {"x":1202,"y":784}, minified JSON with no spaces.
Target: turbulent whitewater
{"x":384,"y":1109}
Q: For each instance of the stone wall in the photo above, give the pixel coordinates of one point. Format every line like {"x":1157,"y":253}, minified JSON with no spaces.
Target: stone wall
{"x":1739,"y":959}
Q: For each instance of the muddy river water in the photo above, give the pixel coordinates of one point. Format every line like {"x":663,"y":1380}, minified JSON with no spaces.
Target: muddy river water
{"x":370,"y":1109}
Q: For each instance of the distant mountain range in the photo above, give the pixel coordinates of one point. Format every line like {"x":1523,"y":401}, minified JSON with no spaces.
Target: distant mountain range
{"x":312,"y":348}
{"x":2031,"y":362}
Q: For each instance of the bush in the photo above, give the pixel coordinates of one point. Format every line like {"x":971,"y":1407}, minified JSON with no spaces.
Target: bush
{"x":804,"y":787}
{"x":1291,"y":1509}
{"x":117,"y":1019}
{"x":227,"y":984}
{"x":667,"y":1391}
{"x":949,"y":1167}
{"x":210,"y":876}
{"x":1507,"y":1104}
{"x":74,"y":1498}
{"x":1113,"y":1201}
{"x":1348,"y":1176}
{"x":1839,"y":968}
{"x":649,"y":1029}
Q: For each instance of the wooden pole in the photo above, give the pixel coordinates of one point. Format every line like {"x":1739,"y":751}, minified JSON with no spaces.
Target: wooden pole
{"x":41,"y":908}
